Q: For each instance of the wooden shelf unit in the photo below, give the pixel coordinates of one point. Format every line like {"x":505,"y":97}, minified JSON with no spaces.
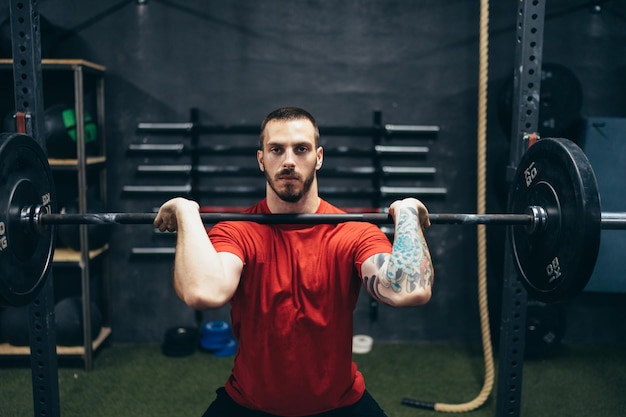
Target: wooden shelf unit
{"x":84,"y":78}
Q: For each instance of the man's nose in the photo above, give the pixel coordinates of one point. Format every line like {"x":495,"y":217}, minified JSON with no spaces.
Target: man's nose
{"x":289,"y":160}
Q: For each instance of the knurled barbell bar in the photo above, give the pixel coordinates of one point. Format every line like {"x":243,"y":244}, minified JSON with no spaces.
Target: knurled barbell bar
{"x":554,"y":219}
{"x":37,"y":217}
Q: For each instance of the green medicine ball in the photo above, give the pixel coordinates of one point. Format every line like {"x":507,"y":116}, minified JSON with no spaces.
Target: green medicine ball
{"x":60,"y":131}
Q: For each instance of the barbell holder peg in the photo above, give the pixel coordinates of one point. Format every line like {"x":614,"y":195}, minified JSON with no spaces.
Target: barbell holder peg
{"x":384,"y":191}
{"x":345,"y":151}
{"x":187,"y":169}
{"x":189,"y":127}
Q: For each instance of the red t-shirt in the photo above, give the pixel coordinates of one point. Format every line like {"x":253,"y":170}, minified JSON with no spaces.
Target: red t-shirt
{"x":293,"y":311}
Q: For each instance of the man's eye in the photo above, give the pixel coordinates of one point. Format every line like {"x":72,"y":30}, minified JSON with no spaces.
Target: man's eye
{"x":303,"y":149}
{"x":275,"y":150}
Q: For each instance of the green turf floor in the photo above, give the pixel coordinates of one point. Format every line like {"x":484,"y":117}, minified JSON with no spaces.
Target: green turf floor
{"x":137,"y":380}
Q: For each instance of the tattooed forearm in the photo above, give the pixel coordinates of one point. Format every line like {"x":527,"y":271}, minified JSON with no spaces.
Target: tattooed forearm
{"x":409,"y":265}
{"x":405,"y":276}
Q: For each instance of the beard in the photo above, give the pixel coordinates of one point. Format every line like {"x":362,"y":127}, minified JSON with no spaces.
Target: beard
{"x":291,"y":192}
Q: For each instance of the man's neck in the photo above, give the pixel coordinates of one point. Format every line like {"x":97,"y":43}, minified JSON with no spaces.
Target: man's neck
{"x":308,"y":204}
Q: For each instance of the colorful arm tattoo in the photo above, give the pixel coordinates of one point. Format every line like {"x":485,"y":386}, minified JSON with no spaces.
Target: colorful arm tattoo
{"x":408,"y":267}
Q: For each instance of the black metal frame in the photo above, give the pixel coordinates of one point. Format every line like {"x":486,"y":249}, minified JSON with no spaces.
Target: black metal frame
{"x":527,"y":80}
{"x":25,"y":34}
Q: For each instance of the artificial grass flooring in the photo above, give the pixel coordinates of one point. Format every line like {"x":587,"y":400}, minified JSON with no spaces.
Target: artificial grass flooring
{"x":135,"y":380}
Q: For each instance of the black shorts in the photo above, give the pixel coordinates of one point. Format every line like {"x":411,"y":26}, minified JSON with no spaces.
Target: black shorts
{"x":224,"y":406}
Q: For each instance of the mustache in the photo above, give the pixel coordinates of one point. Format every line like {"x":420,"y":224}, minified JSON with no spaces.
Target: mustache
{"x":290,"y":172}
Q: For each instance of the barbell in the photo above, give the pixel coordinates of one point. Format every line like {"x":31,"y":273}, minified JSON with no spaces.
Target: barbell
{"x":554,"y":219}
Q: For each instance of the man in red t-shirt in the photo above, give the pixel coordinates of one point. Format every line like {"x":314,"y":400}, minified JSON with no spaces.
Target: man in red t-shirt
{"x":293,"y":288}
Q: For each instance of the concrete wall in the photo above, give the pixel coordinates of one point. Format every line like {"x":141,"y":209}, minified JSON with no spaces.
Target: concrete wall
{"x":416,"y":62}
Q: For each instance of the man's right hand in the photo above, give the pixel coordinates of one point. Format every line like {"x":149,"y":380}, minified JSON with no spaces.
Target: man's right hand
{"x":166,"y":219}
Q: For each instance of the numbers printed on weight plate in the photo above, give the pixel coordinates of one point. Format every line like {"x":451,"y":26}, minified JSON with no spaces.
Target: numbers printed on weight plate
{"x":46,"y":201}
{"x":530,"y":173}
{"x":553,"y":270}
{"x":4,"y":243}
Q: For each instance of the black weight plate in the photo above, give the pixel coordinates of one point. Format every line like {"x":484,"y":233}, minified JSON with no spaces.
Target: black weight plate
{"x":560,"y":101}
{"x":25,"y":253}
{"x":556,"y":263}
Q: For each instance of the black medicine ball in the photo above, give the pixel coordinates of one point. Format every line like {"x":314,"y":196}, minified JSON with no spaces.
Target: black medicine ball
{"x":14,"y":325}
{"x":180,"y":341}
{"x":69,"y":321}
{"x":545,"y":328}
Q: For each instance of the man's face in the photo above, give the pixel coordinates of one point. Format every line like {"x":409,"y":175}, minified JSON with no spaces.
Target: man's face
{"x":289,"y":158}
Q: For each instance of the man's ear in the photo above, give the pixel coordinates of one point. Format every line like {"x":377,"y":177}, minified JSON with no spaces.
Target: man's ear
{"x":259,"y":159}
{"x":320,"y":158}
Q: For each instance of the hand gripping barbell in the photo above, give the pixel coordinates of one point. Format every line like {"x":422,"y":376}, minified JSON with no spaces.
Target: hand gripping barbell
{"x":554,"y":219}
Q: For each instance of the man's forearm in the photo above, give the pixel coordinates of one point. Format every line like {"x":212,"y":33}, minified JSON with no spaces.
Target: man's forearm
{"x":409,"y":265}
{"x":405,"y":276}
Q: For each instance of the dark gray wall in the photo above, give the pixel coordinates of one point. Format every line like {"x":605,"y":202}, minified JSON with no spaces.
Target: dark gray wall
{"x":416,"y":61}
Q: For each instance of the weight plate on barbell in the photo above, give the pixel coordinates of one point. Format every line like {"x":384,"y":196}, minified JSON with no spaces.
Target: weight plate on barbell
{"x":25,"y":252}
{"x":556,"y":262}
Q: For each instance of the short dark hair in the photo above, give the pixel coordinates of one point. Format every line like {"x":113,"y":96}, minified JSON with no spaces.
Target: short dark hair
{"x":289,"y":113}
